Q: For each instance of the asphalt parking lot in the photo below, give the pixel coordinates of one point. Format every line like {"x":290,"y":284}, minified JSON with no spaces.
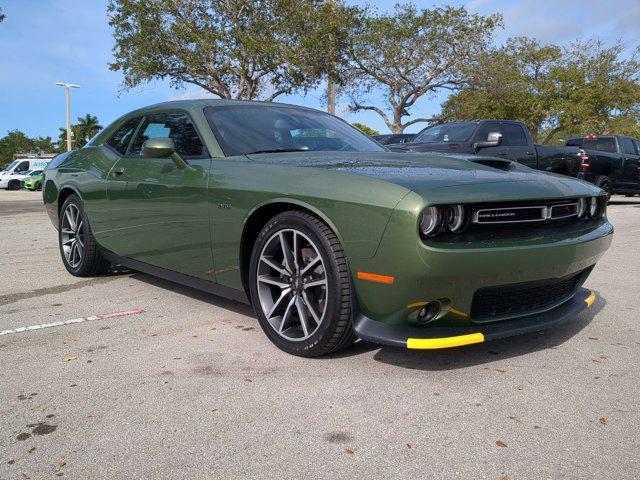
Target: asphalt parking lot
{"x":191,"y":388}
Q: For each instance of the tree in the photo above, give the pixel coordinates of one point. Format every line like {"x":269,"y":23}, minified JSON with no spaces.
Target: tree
{"x":2,"y":16}
{"x":241,"y":49}
{"x":365,"y":129}
{"x":81,"y":132}
{"x":16,"y":141}
{"x":411,"y":53}
{"x":556,"y":92}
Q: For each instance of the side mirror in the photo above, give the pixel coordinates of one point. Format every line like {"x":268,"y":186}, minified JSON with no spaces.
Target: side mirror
{"x":163,"y":147}
{"x":493,"y":140}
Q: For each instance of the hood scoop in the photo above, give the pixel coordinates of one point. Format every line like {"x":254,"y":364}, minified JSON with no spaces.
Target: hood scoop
{"x":498,"y":163}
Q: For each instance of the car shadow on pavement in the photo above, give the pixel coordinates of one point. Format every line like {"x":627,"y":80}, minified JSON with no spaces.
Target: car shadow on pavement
{"x":196,"y":294}
{"x":473,"y":355}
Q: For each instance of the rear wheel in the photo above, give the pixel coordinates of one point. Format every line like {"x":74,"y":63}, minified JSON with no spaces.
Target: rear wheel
{"x":604,"y":183}
{"x":300,"y":286}
{"x":14,"y":185}
{"x":80,"y":252}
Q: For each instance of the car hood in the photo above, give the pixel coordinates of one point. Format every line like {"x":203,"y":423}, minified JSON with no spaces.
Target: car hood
{"x":426,"y":173}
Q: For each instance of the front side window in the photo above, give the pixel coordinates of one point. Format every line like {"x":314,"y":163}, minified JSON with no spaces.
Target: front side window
{"x":627,"y":146}
{"x":513,"y":135}
{"x":447,"y":132}
{"x":486,"y":129}
{"x":121,"y":139}
{"x":247,"y":129}
{"x":22,"y":167}
{"x":35,"y":172}
{"x":177,"y":126}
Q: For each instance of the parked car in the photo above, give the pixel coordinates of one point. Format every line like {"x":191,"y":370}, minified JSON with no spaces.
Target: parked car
{"x":22,"y":165}
{"x":611,"y":162}
{"x":33,"y":181}
{"x":13,"y":181}
{"x":393,"y":138}
{"x":326,"y":233}
{"x":502,"y":138}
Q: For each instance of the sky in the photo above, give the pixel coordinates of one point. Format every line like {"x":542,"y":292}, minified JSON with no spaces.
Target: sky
{"x":47,"y":41}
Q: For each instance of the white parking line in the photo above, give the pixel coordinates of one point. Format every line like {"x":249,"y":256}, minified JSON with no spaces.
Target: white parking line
{"x":70,"y":322}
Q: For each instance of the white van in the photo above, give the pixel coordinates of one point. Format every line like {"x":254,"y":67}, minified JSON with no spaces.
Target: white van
{"x":18,"y":169}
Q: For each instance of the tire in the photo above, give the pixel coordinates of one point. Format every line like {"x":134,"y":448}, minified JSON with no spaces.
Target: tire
{"x":81,"y":257}
{"x":604,"y":183}
{"x":38,"y":187}
{"x":321,"y":280}
{"x":14,"y":185}
{"x":630,"y":195}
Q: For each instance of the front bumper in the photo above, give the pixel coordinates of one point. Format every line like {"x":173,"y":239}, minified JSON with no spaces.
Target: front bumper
{"x":456,"y":336}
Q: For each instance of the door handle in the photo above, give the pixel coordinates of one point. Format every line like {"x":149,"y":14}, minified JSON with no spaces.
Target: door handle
{"x":119,"y":171}
{"x":529,"y":153}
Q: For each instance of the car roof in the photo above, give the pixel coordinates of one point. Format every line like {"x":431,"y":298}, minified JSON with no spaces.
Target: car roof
{"x":212,"y":102}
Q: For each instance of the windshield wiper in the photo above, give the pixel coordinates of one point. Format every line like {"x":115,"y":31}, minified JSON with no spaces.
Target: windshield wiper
{"x":279,"y":150}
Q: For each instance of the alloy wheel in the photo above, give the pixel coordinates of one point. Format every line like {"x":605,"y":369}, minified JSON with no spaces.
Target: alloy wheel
{"x":72,"y":231}
{"x":292,"y":284}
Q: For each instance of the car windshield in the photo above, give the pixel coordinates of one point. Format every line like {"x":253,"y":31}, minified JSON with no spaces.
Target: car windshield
{"x":9,"y":167}
{"x":447,"y":132}
{"x":246,"y":129}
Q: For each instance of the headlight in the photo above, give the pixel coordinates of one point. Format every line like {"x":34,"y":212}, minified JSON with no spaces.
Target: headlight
{"x":454,"y":218}
{"x":430,"y":221}
{"x":593,"y":207}
{"x":582,"y":207}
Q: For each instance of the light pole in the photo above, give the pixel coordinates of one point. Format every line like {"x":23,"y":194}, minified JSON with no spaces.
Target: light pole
{"x":68,"y":86}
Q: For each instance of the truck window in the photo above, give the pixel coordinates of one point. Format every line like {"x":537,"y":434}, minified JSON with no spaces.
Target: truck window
{"x":486,"y":129}
{"x":601,"y":144}
{"x":627,"y":146}
{"x":513,"y":135}
{"x":574,"y":142}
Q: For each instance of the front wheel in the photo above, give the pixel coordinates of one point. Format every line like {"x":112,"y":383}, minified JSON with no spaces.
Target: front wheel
{"x":14,"y":185}
{"x":80,"y":252}
{"x":300,"y":286}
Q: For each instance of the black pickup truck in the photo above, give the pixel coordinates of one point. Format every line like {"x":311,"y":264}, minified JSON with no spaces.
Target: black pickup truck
{"x":612,"y":162}
{"x":501,"y":138}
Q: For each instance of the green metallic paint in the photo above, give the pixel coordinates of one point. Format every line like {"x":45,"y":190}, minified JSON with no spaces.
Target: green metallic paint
{"x":192,"y":220}
{"x":31,"y":182}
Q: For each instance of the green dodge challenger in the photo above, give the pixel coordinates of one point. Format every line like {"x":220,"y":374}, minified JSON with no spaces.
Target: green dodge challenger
{"x":325,"y":232}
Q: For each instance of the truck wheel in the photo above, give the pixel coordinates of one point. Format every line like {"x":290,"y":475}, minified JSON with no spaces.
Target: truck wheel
{"x":14,"y":185}
{"x":630,"y":195}
{"x":604,"y":183}
{"x":300,"y":286}
{"x":80,"y":252}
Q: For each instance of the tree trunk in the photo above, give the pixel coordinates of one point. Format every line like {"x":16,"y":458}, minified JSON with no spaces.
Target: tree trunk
{"x":397,"y":126}
{"x":331,"y":97}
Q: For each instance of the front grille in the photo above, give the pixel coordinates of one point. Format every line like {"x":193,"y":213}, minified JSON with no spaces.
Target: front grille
{"x":519,"y":213}
{"x":494,"y":303}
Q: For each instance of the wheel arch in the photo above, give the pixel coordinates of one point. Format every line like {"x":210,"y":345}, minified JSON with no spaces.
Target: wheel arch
{"x":258,"y":217}
{"x":64,"y":193}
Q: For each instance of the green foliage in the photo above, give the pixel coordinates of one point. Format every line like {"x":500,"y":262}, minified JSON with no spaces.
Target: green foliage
{"x":585,"y":88}
{"x":83,"y":131}
{"x":242,"y":49}
{"x":2,"y":16}
{"x":410,"y":53}
{"x":16,"y":141}
{"x":365,"y":129}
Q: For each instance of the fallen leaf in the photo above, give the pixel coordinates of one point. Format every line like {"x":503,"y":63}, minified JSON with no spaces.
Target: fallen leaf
{"x":247,"y":381}
{"x":59,"y":474}
{"x":501,"y":444}
{"x":71,"y":340}
{"x":32,"y":450}
{"x":408,"y":445}
{"x":596,"y":377}
{"x":91,"y":414}
{"x":520,"y":387}
{"x":39,"y":408}
{"x":252,"y":360}
{"x":500,"y":370}
{"x":11,"y":461}
{"x":603,"y":421}
{"x":24,"y":476}
{"x":595,"y":360}
{"x":348,"y":451}
{"x":86,"y":471}
{"x":592,"y":338}
{"x":62,"y":463}
{"x":521,"y":421}
{"x":68,"y":358}
{"x":504,"y":477}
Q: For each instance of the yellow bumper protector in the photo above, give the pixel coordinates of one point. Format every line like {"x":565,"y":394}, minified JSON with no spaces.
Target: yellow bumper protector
{"x":446,"y":342}
{"x":590,"y":299}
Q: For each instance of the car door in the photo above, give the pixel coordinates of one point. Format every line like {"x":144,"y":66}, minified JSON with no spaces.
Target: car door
{"x":519,"y":149}
{"x":481,"y":136}
{"x":159,"y":211}
{"x":629,"y":177}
